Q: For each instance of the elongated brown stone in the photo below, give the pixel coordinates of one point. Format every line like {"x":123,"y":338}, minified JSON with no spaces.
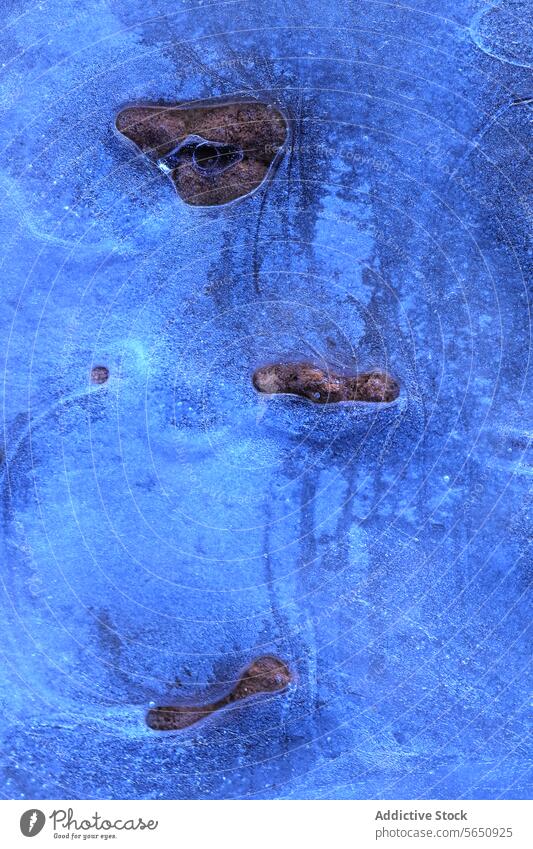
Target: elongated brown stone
{"x":264,"y":675}
{"x":324,"y":387}
{"x":214,"y":153}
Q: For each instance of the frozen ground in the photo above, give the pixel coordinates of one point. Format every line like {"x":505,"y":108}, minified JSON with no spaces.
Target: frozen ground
{"x":164,"y":528}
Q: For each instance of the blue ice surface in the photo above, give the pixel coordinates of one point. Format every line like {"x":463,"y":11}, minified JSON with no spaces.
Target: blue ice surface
{"x":166,"y":527}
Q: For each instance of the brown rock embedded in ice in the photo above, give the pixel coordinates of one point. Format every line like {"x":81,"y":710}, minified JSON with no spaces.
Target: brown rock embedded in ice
{"x":266,"y":674}
{"x":214,"y":153}
{"x":99,"y":374}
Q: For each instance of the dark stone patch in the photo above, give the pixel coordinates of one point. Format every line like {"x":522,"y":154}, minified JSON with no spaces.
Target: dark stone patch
{"x":264,"y":675}
{"x":323,"y":386}
{"x":99,"y":374}
{"x":213,"y":153}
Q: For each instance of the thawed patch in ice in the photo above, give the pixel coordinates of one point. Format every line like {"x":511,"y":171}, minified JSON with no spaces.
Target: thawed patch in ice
{"x":214,"y":153}
{"x":264,"y":675}
{"x":323,"y":386}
